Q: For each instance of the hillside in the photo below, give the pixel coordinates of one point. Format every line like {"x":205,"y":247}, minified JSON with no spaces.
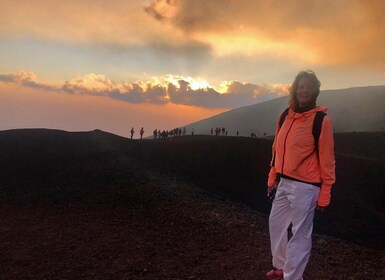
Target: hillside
{"x":358,"y":109}
{"x":92,"y":205}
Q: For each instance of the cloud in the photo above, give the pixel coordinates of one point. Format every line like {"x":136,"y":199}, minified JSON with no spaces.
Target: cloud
{"x":119,"y":25}
{"x":326,"y":32}
{"x":18,"y":77}
{"x":109,"y":28}
{"x":169,"y":90}
{"x":344,"y":32}
{"x":24,"y":78}
{"x":91,"y":84}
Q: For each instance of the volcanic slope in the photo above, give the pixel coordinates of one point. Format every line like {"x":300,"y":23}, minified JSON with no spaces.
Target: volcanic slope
{"x":92,"y":205}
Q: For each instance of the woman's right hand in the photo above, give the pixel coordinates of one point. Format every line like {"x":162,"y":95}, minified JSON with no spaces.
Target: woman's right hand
{"x":271,"y":190}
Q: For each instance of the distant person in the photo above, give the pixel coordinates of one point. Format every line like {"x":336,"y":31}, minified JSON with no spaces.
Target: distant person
{"x":302,"y":173}
{"x":155,"y":133}
{"x":141,"y":132}
{"x":184,"y":131}
{"x":132,"y":132}
{"x":163,"y":135}
{"x":237,"y":133}
{"x":212,"y":131}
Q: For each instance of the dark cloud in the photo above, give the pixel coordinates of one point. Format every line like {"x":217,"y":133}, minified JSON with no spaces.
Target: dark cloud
{"x":230,"y":15}
{"x":162,"y":9}
{"x":141,"y":93}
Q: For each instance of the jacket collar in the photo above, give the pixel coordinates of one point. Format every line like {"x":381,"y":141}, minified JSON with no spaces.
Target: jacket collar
{"x":295,"y":115}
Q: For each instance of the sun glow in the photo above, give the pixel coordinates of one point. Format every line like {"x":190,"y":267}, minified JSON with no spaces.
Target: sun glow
{"x":194,"y":83}
{"x":258,"y":45}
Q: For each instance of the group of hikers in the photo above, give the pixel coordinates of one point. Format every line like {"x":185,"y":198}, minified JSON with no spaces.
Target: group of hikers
{"x":165,"y":134}
{"x":158,"y":134}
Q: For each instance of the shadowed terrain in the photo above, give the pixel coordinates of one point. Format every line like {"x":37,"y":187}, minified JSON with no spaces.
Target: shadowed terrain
{"x":93,"y":205}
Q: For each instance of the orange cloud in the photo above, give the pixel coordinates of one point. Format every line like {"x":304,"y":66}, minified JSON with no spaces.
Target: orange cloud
{"x":115,"y":23}
{"x":26,"y":79}
{"x":345,"y":32}
{"x":327,"y":32}
{"x":174,"y":90}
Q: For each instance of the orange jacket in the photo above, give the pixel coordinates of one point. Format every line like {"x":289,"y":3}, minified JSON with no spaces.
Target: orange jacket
{"x":295,"y":156}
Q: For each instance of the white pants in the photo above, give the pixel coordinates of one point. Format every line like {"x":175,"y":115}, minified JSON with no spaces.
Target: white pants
{"x":294,"y":203}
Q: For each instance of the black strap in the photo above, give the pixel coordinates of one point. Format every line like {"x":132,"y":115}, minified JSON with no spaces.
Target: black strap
{"x":281,"y":121}
{"x":283,"y":117}
{"x":317,"y":125}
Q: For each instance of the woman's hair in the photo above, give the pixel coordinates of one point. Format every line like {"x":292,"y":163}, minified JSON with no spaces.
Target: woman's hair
{"x":314,"y":83}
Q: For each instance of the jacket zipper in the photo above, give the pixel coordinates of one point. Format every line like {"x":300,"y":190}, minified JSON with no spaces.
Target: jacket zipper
{"x":284,"y":145}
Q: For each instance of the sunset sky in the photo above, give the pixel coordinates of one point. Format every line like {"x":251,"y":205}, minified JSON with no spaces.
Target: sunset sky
{"x":113,"y":64}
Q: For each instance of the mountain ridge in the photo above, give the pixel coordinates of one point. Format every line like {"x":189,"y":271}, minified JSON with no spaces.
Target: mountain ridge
{"x":350,"y":109}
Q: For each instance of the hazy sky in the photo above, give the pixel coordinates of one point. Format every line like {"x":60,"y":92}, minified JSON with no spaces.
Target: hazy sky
{"x":81,"y":65}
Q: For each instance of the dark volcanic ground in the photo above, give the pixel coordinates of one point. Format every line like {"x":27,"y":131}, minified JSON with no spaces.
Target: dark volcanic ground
{"x":103,"y":207}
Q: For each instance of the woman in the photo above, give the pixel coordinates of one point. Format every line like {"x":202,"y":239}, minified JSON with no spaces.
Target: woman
{"x":302,"y":176}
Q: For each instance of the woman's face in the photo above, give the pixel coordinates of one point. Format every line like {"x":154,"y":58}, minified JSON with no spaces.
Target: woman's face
{"x":304,"y":94}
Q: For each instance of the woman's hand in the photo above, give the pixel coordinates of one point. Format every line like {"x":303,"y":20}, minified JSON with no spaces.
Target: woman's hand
{"x":271,"y":190}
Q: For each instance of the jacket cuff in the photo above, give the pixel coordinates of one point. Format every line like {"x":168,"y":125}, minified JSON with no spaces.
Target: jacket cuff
{"x":324,"y":196}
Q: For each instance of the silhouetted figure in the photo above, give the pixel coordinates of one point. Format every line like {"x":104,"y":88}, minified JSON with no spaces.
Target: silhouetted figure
{"x":184,"y":131}
{"x":155,"y":133}
{"x":223,"y":131}
{"x":163,"y":135}
{"x":237,"y":133}
{"x":226,"y":132}
{"x":132,"y":132}
{"x":141,"y":132}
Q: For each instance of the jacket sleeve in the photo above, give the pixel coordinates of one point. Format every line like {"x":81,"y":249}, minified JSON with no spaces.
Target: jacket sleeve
{"x":273,"y":173}
{"x":327,"y":161}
